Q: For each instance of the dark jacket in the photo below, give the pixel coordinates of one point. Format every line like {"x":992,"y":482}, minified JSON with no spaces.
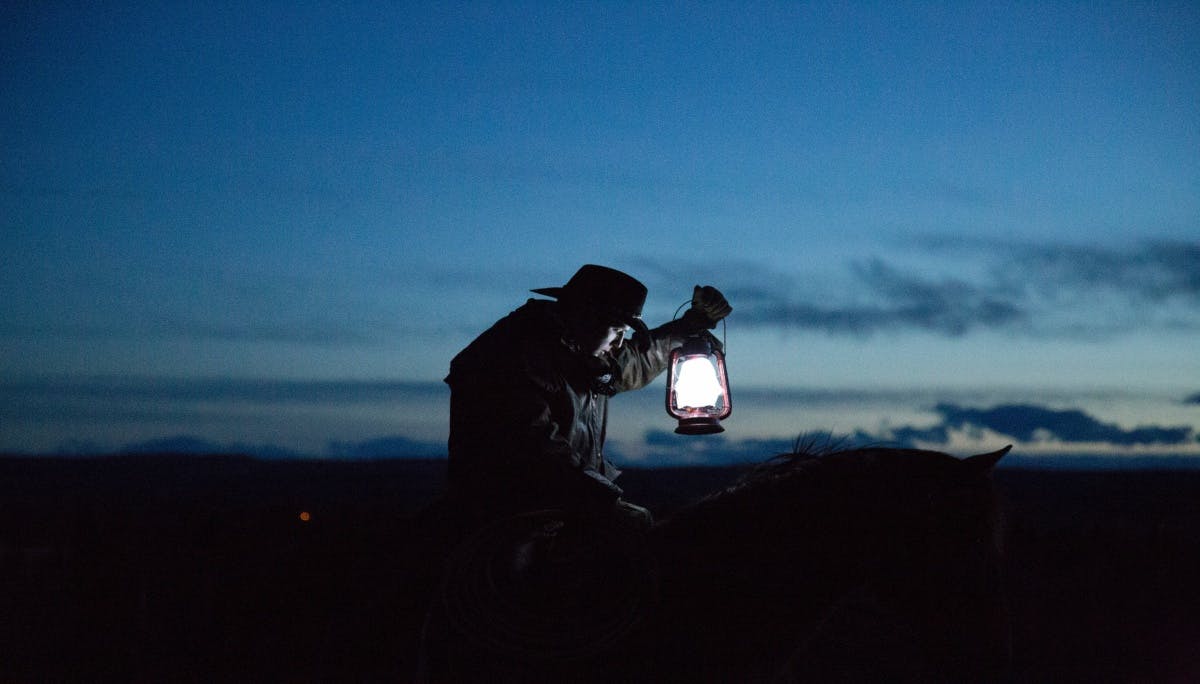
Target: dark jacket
{"x":528,"y":414}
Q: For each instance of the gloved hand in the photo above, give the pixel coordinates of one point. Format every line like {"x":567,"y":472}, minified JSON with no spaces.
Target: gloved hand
{"x":708,"y":308}
{"x":632,"y":516}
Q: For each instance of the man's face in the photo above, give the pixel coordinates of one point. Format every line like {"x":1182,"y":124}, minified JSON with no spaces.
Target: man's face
{"x":603,"y":338}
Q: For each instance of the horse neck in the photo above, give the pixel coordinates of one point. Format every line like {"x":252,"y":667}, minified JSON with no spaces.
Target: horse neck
{"x":734,"y":542}
{"x":738,"y":593}
{"x":742,"y":556}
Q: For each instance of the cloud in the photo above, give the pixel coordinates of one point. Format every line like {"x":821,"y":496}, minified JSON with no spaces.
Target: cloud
{"x":391,"y":446}
{"x":99,"y":396}
{"x":1030,"y":423}
{"x":171,"y":295}
{"x":880,"y":298}
{"x":1092,"y":291}
{"x":1066,"y":431}
{"x":306,"y":332}
{"x":1193,"y":399}
{"x":1046,"y":290}
{"x":947,"y":306}
{"x":1148,"y":272}
{"x":665,"y":448}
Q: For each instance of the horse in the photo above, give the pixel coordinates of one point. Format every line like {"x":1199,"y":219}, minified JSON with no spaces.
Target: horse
{"x":868,"y":564}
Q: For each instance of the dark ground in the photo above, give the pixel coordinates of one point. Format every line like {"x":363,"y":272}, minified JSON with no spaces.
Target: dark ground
{"x":160,"y":568}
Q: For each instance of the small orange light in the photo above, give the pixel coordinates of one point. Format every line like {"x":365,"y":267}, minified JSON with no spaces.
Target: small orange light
{"x":304,"y":516}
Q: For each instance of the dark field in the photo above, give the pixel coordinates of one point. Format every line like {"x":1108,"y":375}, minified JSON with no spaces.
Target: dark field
{"x":158,"y":568}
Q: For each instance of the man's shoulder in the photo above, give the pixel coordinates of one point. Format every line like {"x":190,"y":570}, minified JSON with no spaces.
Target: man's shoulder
{"x":532,"y":321}
{"x":523,"y":344}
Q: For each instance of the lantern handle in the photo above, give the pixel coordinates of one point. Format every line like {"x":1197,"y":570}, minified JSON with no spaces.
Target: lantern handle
{"x":724,"y":328}
{"x":686,"y":302}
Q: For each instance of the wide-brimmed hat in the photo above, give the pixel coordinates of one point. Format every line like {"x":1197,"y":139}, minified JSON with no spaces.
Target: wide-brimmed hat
{"x":607,"y":291}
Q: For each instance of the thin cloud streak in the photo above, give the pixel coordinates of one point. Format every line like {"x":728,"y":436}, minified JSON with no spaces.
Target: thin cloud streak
{"x":229,"y":329}
{"x":1050,"y":290}
{"x":33,"y":391}
{"x":1150,"y":272}
{"x":393,"y":446}
{"x":949,"y":307}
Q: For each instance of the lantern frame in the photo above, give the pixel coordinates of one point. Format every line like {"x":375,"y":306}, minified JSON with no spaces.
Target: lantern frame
{"x":702,"y":420}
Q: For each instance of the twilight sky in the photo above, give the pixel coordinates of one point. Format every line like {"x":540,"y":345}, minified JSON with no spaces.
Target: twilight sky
{"x":272,"y":226}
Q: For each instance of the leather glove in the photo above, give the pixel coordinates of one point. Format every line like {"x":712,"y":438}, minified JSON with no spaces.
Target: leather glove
{"x":708,"y":308}
{"x":632,"y":515}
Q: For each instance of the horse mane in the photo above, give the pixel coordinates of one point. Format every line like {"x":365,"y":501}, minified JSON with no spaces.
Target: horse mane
{"x":824,"y":476}
{"x":810,"y":453}
{"x":806,"y":449}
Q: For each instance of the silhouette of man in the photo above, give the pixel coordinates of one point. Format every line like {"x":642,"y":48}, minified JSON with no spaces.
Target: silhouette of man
{"x":529,"y":397}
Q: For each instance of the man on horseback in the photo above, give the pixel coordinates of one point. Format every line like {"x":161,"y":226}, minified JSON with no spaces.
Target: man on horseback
{"x":529,"y":397}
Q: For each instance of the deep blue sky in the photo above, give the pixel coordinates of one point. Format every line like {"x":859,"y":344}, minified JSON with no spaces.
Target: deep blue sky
{"x":907,"y":205}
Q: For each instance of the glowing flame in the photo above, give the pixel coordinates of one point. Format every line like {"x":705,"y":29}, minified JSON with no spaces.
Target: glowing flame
{"x":697,"y":384}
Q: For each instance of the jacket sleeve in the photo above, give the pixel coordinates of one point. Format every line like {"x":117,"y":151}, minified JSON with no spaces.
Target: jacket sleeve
{"x":550,"y":453}
{"x":640,"y":368}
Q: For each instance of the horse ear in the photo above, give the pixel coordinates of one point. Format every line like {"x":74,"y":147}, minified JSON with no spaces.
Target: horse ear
{"x":983,"y":463}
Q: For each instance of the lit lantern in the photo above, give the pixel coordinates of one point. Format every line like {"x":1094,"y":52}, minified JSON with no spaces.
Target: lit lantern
{"x":697,"y":387}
